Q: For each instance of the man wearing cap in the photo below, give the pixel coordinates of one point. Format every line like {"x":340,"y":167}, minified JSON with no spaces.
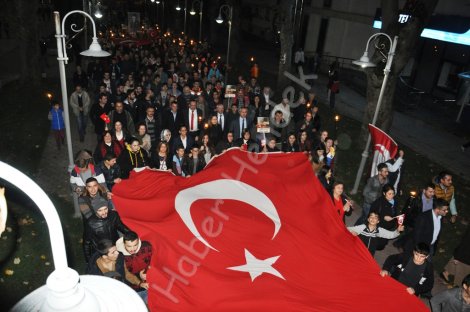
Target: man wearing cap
{"x":103,"y":224}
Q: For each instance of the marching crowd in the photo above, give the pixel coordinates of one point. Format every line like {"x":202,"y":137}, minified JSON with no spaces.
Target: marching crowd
{"x":165,"y":106}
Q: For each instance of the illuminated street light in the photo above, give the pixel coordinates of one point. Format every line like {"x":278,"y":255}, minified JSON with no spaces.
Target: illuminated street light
{"x":228,"y":11}
{"x":193,"y":12}
{"x":98,"y":13}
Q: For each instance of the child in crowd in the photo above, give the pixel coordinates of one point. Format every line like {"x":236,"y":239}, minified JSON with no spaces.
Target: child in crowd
{"x":56,"y":116}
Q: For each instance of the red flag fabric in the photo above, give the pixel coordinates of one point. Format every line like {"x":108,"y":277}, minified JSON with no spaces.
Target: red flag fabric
{"x":384,"y":147}
{"x":105,"y":118}
{"x":252,"y":232}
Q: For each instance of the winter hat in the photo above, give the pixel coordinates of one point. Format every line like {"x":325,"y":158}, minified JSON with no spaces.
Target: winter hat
{"x":98,"y":202}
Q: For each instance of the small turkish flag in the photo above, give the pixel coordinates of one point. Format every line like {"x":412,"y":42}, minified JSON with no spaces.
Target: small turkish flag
{"x":400,"y":219}
{"x":105,"y":118}
{"x":252,"y":232}
{"x":384,"y":147}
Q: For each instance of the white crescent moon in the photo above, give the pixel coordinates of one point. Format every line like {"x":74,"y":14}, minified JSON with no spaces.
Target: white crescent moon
{"x":384,"y":151}
{"x":224,"y":189}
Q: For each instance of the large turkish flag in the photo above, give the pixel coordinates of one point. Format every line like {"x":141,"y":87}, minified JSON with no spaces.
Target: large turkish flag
{"x":252,"y":232}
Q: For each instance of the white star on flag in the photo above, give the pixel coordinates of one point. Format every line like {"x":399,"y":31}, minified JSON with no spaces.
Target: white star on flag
{"x":255,"y":267}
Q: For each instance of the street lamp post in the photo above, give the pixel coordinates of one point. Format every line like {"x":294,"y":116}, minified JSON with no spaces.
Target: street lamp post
{"x":193,"y":12}
{"x":65,"y":290}
{"x":185,"y":14}
{"x":228,"y":11}
{"x":365,"y":62}
{"x":162,"y":25}
{"x":94,"y":50}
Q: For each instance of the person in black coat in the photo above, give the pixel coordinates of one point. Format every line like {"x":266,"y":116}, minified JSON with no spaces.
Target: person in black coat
{"x":96,"y":111}
{"x":195,"y":161}
{"x":222,"y":118}
{"x":223,"y":145}
{"x":132,"y":157}
{"x":193,"y":120}
{"x":291,"y":144}
{"x":414,"y":271}
{"x":423,"y":231}
{"x":414,"y":205}
{"x":384,"y":206}
{"x":245,"y":142}
{"x":326,"y":178}
{"x":182,"y":140}
{"x":103,"y":224}
{"x":214,"y":131}
{"x":172,"y":119}
{"x":160,"y":158}
{"x":240,"y":123}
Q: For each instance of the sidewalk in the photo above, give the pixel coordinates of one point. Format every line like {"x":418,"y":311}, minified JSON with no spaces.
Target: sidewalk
{"x":52,"y":174}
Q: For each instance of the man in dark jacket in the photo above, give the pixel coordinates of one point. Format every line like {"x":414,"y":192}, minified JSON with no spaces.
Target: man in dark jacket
{"x":103,"y":224}
{"x":415,"y":271}
{"x":97,"y":110}
{"x":417,"y":204}
{"x":195,"y":161}
{"x":110,"y":170}
{"x":428,"y":226}
{"x":172,"y":119}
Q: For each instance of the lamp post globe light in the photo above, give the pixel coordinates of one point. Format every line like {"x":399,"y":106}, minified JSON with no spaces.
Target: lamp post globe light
{"x":94,"y":50}
{"x":228,"y":11}
{"x":193,"y":12}
{"x":98,"y":13}
{"x":65,"y":290}
{"x":365,"y":62}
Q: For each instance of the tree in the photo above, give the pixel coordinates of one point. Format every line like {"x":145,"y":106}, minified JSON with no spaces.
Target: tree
{"x":25,"y":25}
{"x":408,"y":33}
{"x":283,"y":22}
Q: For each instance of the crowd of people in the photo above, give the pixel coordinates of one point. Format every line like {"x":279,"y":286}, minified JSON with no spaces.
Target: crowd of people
{"x":164,"y":106}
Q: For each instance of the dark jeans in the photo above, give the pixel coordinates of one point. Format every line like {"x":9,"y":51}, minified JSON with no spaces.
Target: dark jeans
{"x":82,"y":123}
{"x":59,"y":136}
{"x":332,"y":99}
